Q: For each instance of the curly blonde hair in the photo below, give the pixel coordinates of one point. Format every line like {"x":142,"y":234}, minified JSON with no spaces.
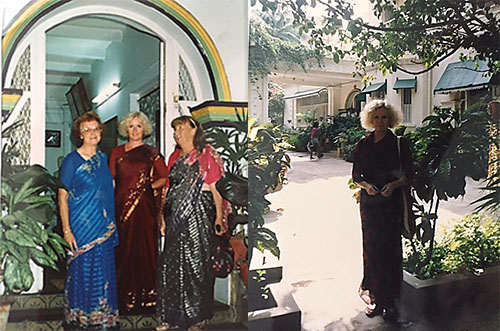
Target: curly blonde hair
{"x":366,"y":116}
{"x":146,"y":123}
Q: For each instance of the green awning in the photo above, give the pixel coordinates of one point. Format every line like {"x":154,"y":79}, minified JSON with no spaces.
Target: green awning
{"x":375,"y":87}
{"x":360,"y":97}
{"x":462,"y":76}
{"x":405,"y":83}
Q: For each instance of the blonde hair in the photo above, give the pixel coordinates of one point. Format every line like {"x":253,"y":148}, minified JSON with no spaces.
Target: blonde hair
{"x":366,"y":116}
{"x":146,"y":124}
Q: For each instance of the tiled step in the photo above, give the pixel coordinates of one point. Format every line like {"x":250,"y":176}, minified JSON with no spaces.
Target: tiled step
{"x":44,"y":312}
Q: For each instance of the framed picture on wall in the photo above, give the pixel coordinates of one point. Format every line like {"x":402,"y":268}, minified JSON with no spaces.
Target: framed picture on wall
{"x":52,"y":138}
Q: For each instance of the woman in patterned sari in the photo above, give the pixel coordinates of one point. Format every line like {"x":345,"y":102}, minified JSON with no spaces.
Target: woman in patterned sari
{"x":88,"y":221}
{"x":140,"y":174}
{"x":193,"y":214}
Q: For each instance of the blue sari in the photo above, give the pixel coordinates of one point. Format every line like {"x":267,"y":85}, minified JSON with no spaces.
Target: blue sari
{"x":90,"y":286}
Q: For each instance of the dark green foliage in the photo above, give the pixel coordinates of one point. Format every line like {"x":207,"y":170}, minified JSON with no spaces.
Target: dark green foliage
{"x":267,"y":167}
{"x":431,"y":30}
{"x":452,"y":145}
{"x":28,"y":209}
{"x":231,"y":144}
{"x":473,"y":244}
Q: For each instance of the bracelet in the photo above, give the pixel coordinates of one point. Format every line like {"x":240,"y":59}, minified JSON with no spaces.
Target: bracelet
{"x":66,"y":231}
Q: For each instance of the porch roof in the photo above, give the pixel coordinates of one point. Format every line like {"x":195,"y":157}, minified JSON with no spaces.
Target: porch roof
{"x":303,"y":94}
{"x":462,"y":76}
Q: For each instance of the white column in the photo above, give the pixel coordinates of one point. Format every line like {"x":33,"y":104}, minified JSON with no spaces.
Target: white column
{"x":170,"y":78}
{"x":258,"y":99}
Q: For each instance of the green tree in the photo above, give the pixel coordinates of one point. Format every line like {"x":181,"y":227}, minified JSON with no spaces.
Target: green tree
{"x":430,"y":30}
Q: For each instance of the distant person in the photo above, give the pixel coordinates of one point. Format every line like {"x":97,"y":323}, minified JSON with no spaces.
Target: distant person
{"x":140,"y":175}
{"x":314,"y":143}
{"x":87,"y":213}
{"x":376,"y":170}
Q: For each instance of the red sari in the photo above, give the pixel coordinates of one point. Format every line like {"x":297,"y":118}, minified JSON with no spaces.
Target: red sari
{"x":137,"y":208}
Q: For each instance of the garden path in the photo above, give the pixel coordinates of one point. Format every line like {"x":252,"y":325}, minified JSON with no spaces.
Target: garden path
{"x":318,"y":228}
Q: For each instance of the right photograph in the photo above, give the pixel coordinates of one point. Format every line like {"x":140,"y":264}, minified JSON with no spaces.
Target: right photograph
{"x":374,"y":184}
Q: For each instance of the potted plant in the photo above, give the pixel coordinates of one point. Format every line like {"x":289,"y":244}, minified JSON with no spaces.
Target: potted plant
{"x":26,"y":222}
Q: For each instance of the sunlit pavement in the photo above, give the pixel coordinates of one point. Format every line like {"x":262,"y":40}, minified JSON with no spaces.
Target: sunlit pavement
{"x":318,"y":227}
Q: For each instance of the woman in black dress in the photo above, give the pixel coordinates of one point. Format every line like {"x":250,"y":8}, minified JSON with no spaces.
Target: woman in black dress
{"x":381,"y":171}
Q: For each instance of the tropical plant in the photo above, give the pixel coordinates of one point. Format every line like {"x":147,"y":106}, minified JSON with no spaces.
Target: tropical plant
{"x":267,"y":167}
{"x":28,"y":215}
{"x":452,"y":145}
{"x":231,"y":143}
{"x":472,"y":245}
{"x":491,"y":201}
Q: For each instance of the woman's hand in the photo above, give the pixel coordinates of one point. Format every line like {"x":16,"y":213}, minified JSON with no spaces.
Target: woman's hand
{"x":162,"y":226}
{"x":70,"y":239}
{"x":369,"y":188}
{"x":219,"y":226}
{"x":387,"y":189}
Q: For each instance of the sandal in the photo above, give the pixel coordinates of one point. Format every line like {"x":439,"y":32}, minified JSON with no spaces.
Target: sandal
{"x":198,"y":326}
{"x":372,"y":312}
{"x":163,"y":327}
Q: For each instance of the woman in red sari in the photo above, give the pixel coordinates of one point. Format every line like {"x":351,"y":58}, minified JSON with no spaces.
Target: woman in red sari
{"x":140,"y":174}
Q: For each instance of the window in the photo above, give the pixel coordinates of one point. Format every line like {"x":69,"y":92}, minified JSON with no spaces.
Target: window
{"x":186,"y":86}
{"x":406,"y":105}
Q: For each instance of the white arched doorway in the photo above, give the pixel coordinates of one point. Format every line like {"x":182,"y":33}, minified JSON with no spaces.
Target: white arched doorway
{"x":184,"y":43}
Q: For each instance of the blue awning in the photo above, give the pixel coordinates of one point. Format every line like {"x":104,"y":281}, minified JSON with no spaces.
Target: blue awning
{"x":462,"y":76}
{"x":405,"y":83}
{"x":375,"y":87}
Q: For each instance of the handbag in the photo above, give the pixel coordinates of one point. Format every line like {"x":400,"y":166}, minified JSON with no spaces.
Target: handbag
{"x":222,"y":257}
{"x":408,"y":227}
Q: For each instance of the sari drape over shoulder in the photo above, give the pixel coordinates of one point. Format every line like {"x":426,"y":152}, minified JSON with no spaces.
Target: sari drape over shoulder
{"x":138,"y":207}
{"x":378,"y":163}
{"x":90,"y":286}
{"x":185,"y":295}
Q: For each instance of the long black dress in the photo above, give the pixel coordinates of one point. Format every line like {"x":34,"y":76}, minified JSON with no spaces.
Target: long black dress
{"x":378,"y":163}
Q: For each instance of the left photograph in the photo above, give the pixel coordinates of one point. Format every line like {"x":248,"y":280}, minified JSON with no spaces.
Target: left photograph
{"x":124,"y":175}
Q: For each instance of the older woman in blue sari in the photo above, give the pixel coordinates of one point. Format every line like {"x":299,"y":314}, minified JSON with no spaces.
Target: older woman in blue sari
{"x":88,"y":221}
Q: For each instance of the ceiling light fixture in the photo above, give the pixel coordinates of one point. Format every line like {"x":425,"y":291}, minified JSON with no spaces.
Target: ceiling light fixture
{"x":107,"y":93}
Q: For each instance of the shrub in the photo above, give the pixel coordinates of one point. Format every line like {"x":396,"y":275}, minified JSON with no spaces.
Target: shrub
{"x":472,"y":244}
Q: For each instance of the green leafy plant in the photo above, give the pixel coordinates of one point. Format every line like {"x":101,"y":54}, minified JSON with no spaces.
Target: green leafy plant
{"x":28,"y":212}
{"x":231,"y":144}
{"x":471,"y":245}
{"x":267,"y":167}
{"x":452,"y":145}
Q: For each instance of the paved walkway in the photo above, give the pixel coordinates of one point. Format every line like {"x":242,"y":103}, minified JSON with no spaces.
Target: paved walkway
{"x":319,"y":232}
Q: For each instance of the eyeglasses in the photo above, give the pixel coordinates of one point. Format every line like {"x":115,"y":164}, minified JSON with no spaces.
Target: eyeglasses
{"x":94,"y":129}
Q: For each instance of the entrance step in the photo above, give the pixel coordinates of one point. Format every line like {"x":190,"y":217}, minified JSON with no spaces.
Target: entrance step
{"x":271,"y":304}
{"x":45,"y":312}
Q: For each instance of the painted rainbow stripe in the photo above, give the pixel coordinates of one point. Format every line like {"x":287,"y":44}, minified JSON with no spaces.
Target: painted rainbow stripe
{"x":10,"y":97}
{"x":220,"y":112}
{"x":170,"y":8}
